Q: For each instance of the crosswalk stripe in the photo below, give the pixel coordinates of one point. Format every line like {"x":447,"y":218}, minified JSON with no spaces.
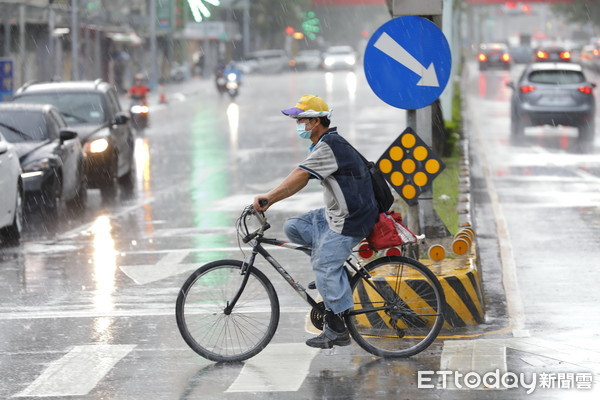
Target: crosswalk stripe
{"x":77,"y":372}
{"x":278,"y":368}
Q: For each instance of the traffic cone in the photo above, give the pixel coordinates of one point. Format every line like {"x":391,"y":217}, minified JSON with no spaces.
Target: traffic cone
{"x":162,"y":98}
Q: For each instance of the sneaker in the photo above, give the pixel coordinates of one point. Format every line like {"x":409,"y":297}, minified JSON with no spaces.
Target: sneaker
{"x":329,"y":338}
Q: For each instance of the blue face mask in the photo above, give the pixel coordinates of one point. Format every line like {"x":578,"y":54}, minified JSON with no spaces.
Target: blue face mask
{"x":302,"y":132}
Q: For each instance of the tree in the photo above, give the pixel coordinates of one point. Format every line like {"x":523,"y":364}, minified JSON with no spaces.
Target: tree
{"x":580,"y":11}
{"x":271,"y":17}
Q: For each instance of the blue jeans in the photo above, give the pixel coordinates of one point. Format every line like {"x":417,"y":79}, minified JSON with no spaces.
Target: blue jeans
{"x":329,"y":251}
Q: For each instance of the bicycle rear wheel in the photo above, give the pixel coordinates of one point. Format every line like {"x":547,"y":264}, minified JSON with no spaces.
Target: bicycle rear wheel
{"x":398,"y":311}
{"x":216,"y":334}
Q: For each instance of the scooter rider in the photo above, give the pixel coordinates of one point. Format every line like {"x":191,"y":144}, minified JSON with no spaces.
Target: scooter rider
{"x":139,"y":90}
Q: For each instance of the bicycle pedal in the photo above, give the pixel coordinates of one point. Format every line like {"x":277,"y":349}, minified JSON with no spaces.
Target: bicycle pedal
{"x":312,"y":285}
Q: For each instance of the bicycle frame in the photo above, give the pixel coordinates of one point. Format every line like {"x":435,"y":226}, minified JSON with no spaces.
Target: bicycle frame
{"x":257,"y":248}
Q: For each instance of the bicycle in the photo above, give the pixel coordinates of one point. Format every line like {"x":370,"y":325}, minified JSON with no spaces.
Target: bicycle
{"x":228,"y":310}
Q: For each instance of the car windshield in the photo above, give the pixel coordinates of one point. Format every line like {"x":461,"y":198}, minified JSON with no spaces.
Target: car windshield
{"x":76,"y":107}
{"x":23,"y":126}
{"x":557,"y":77}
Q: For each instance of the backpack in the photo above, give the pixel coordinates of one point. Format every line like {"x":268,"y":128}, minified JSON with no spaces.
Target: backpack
{"x":381,"y":190}
{"x":383,"y":195}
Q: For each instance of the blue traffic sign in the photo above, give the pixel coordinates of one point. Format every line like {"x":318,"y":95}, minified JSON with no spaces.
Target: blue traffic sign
{"x":6,"y":79}
{"x":408,"y":62}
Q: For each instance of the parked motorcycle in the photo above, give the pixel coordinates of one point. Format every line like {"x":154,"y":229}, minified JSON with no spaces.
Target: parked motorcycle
{"x":138,"y":111}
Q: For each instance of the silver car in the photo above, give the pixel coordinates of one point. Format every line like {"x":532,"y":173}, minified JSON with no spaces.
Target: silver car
{"x":339,"y":57}
{"x":11,"y":201}
{"x":553,"y":94}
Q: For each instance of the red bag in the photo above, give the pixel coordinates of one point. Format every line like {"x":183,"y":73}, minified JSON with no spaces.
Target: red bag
{"x":390,"y":232}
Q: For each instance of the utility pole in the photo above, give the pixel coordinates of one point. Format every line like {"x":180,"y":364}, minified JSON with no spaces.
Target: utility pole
{"x":153,"y":52}
{"x":422,"y":217}
{"x":246,"y":28}
{"x":6,"y":12}
{"x":51,"y":40}
{"x":22,"y":49}
{"x":74,"y":40}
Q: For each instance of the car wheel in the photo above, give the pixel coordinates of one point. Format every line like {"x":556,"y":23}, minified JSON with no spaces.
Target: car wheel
{"x":108,"y":188}
{"x":11,"y":235}
{"x":127,"y":181}
{"x":587,"y":131}
{"x":79,"y":202}
{"x":517,"y":128}
{"x":51,"y":205}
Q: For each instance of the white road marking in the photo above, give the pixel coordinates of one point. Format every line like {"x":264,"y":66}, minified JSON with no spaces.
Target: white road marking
{"x":278,"y":368}
{"x":481,"y":356}
{"x":27,"y":313}
{"x":164,"y":268}
{"x":78,"y":372}
{"x":514,"y":302}
{"x":487,"y":355}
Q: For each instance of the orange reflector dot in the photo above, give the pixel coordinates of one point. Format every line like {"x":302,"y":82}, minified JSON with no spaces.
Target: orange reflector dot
{"x":397,"y":178}
{"x":464,"y":236}
{"x":420,"y":179}
{"x":408,"y":166}
{"x":396,"y":153}
{"x":460,"y":246}
{"x":385,"y":166}
{"x":469,"y":232}
{"x":436,"y":252}
{"x":409,"y":191}
{"x":432,"y":166}
{"x":420,"y":153}
{"x":408,"y":140}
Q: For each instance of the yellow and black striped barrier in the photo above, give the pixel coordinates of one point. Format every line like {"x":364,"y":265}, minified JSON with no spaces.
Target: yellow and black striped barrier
{"x":459,"y":278}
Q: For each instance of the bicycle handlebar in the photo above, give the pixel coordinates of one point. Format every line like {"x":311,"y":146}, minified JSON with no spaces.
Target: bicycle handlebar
{"x":262,"y":219}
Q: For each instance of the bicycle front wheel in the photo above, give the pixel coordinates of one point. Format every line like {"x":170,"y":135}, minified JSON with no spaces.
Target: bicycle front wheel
{"x":398,"y":311}
{"x":225,"y":335}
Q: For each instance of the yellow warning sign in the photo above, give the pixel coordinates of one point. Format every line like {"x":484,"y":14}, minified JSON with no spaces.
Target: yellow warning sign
{"x":410,"y":166}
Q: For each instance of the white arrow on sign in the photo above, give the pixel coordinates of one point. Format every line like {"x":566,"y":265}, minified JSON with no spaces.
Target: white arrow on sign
{"x":389,"y":46}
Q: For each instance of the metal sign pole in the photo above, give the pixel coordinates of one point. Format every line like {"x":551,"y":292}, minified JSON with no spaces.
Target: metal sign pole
{"x":422,"y":217}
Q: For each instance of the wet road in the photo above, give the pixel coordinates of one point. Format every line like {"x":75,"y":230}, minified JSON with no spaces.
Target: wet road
{"x":87,"y":305}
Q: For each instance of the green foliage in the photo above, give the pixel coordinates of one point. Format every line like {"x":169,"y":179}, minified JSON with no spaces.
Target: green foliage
{"x":453,"y":127}
{"x":445,"y":194}
{"x":271,"y":17}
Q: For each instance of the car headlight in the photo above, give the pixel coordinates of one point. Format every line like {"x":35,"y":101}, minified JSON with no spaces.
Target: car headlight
{"x":350,"y":60}
{"x":96,"y":146}
{"x":329,"y":61}
{"x":35,"y":168}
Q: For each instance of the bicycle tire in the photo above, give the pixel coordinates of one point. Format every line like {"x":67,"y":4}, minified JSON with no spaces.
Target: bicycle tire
{"x":414,"y":319}
{"x":208,"y":330}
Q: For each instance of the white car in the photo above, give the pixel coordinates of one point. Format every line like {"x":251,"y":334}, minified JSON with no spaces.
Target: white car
{"x":339,"y":57}
{"x":11,"y":201}
{"x":265,"y":62}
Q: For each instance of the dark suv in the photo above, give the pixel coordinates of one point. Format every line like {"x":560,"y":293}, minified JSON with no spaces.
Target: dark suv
{"x":553,"y":94}
{"x":92,"y":109}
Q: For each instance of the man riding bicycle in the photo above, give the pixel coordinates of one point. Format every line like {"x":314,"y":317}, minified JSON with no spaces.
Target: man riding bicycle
{"x":332,"y":232}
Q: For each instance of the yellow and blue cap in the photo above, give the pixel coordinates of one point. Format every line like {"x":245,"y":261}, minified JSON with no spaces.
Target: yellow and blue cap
{"x":308,"y":106}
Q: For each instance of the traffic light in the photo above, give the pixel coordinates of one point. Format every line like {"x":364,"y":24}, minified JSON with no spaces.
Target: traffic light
{"x":290,"y":30}
{"x":310,"y":25}
{"x":410,"y":166}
